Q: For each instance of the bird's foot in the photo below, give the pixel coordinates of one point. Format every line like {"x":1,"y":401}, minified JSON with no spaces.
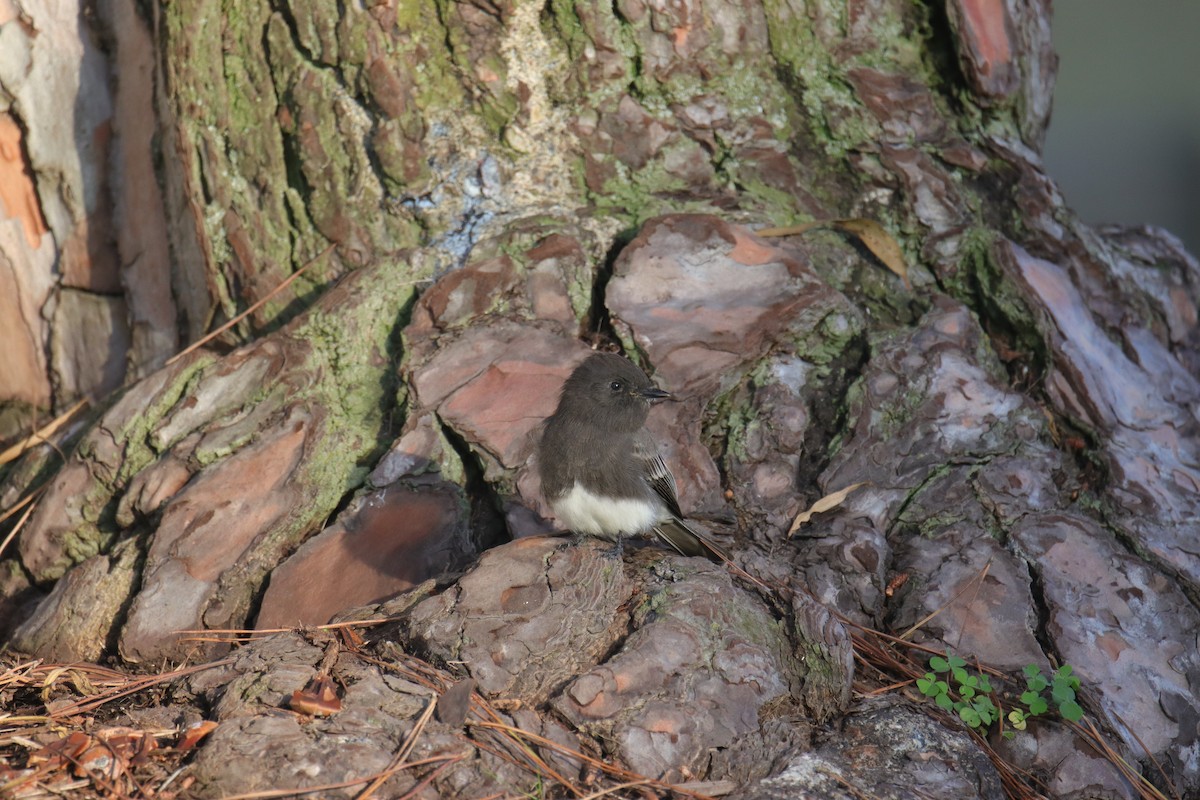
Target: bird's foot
{"x":617,"y":551}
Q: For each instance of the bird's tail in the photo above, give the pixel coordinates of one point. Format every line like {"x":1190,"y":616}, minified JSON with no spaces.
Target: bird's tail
{"x":684,"y":539}
{"x":688,"y":542}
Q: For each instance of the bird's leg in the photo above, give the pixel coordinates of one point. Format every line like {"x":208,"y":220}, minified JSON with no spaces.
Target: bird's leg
{"x":618,"y":549}
{"x":575,"y":538}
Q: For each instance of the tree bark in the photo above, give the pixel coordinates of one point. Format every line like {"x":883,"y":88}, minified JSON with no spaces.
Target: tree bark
{"x":507,"y":184}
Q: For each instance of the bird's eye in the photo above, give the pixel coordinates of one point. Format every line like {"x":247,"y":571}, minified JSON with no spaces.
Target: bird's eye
{"x":616,"y":386}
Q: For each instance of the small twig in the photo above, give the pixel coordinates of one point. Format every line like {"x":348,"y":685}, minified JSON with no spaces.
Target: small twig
{"x":332,"y":651}
{"x":1010,"y":773}
{"x":889,"y":688}
{"x":332,"y":626}
{"x":617,"y":788}
{"x":171,"y":778}
{"x":430,"y":778}
{"x":268,"y":794}
{"x":979,"y":576}
{"x":741,"y":573}
{"x":409,"y":743}
{"x":286,"y":282}
{"x":42,"y":434}
{"x":539,"y":764}
{"x":845,"y":784}
{"x":897,"y":640}
{"x":1093,"y":738}
{"x":26,"y":500}
{"x":132,"y":687}
{"x":1149,"y":755}
{"x":613,"y":770}
{"x":978,"y":584}
{"x":16,"y":528}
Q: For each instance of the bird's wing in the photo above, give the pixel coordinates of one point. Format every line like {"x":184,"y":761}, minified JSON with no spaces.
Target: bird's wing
{"x":655,"y":471}
{"x":675,"y":532}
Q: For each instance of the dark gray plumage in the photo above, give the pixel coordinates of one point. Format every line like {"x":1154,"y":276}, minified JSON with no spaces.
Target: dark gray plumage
{"x":601,"y":470}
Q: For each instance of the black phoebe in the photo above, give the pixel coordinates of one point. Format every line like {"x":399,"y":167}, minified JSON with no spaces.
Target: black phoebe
{"x":601,"y":470}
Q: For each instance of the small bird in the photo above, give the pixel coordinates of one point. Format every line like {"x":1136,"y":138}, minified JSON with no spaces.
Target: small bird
{"x":601,"y":470}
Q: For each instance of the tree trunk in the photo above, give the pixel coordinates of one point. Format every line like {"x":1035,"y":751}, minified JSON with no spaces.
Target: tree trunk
{"x":508,"y":184}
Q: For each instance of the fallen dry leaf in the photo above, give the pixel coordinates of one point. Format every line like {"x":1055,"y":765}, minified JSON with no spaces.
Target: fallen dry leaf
{"x":881,"y":244}
{"x":826,"y":503}
{"x":872,"y":235}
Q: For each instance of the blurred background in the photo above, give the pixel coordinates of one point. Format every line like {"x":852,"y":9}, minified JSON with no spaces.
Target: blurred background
{"x":1124,"y":140}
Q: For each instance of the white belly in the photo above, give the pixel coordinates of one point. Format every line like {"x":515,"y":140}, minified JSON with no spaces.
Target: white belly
{"x":584,"y":512}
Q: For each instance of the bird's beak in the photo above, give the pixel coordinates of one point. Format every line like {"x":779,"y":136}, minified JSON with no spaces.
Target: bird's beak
{"x":654,"y":393}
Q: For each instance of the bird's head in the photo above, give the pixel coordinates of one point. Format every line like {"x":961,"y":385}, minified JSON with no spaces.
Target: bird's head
{"x":614,"y":389}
